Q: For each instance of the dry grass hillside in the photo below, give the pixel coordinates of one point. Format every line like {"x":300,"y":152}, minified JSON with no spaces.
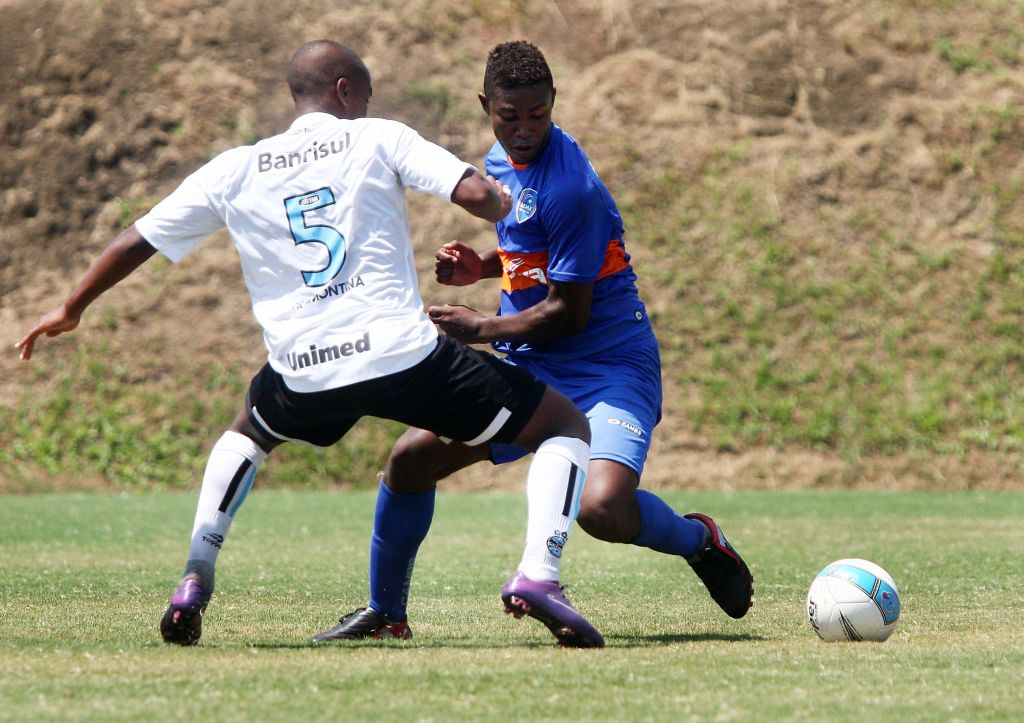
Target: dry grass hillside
{"x":823,"y":201}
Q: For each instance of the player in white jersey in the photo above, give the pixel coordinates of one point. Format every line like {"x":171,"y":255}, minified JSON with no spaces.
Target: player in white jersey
{"x":317,"y":214}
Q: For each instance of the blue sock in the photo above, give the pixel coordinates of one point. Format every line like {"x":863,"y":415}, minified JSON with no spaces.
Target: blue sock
{"x":400,"y":524}
{"x":662,"y":530}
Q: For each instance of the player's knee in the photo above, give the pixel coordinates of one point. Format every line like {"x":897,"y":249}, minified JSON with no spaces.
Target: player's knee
{"x":579,"y":425}
{"x":556,"y":416}
{"x":565,"y":419}
{"x":414,"y":465}
{"x":605,"y":520}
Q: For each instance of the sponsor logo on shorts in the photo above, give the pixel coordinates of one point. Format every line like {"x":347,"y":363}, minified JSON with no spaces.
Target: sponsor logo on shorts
{"x":556,"y":542}
{"x":327,"y":353}
{"x":626,"y":425}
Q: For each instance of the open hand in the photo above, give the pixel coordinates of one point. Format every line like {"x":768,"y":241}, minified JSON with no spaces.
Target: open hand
{"x":56,"y":322}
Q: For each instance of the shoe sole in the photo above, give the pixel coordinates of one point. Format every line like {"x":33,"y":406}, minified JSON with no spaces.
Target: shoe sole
{"x":374,"y":635}
{"x":567,"y":636}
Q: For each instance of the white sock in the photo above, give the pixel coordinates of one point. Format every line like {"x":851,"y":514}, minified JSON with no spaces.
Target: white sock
{"x":230,"y":470}
{"x":553,"y":488}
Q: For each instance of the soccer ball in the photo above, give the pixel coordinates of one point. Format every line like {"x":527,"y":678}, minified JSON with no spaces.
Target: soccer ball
{"x":853,"y":600}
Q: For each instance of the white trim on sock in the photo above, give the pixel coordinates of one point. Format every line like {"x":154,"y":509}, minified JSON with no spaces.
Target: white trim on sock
{"x":572,"y":448}
{"x":239,"y":443}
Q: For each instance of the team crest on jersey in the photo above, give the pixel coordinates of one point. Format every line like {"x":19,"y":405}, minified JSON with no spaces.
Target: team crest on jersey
{"x":526,"y":206}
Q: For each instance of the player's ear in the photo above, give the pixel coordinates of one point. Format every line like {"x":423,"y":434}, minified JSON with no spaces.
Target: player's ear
{"x":484,"y":103}
{"x":345,"y":94}
{"x":553,"y":96}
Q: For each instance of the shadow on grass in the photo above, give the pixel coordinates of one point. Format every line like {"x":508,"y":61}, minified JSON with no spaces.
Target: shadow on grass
{"x":670,"y":639}
{"x":614,"y":641}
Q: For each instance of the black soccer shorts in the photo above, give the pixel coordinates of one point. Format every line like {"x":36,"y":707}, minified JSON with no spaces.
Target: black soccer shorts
{"x":457,"y":392}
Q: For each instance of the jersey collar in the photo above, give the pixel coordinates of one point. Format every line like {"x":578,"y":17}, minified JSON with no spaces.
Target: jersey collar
{"x":309,"y":120}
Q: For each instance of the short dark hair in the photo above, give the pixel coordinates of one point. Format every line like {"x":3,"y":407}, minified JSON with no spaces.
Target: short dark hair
{"x":515,"y":65}
{"x":318,"y":64}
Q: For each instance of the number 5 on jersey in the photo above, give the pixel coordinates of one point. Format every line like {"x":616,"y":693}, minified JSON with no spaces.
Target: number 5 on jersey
{"x":303,"y":233}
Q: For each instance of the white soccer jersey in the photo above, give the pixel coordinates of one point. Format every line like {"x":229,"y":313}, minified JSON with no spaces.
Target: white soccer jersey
{"x":318,"y":217}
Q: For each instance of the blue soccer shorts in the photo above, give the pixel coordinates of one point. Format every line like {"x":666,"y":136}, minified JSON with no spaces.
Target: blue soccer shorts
{"x":620,"y":392}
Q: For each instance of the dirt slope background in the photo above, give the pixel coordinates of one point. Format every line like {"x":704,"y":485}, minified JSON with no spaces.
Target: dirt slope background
{"x":875,"y":143}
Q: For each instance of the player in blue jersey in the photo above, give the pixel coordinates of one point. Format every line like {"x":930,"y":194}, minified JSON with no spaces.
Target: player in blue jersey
{"x":570,"y":314}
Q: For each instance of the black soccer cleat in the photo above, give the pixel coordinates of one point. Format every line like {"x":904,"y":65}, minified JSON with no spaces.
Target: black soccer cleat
{"x":366,"y":623}
{"x":722,"y":570}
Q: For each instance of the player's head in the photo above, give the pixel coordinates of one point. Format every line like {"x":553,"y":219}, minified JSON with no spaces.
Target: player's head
{"x":519,"y":94}
{"x":327,"y":76}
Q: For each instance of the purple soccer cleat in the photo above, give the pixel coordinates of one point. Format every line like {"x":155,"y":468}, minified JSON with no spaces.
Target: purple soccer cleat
{"x":182,"y":623}
{"x":546,"y":601}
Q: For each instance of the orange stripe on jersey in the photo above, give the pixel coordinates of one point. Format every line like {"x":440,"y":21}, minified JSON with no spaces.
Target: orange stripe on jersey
{"x":524,"y":270}
{"x":521,"y":271}
{"x":614,"y":259}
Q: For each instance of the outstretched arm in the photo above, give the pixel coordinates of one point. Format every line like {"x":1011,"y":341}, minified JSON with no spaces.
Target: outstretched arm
{"x":125,"y":254}
{"x":484,"y":197}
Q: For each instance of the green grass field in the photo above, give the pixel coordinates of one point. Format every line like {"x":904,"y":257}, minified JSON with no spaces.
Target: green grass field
{"x":84,"y":579}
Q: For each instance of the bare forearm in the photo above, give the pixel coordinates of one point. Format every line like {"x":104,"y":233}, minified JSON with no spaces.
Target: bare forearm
{"x":490,"y":264}
{"x":537,"y":325}
{"x":482,"y":196}
{"x":125,"y":254}
{"x":564,"y":312}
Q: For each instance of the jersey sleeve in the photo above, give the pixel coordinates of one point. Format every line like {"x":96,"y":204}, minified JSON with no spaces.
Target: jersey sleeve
{"x":424,"y":166}
{"x":180,"y":221}
{"x":575,"y":219}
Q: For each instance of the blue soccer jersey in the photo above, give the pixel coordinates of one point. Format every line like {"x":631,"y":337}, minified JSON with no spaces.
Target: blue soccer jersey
{"x":564,"y":226}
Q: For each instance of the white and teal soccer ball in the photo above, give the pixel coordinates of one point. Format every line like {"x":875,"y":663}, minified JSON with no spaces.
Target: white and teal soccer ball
{"x":853,"y":600}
